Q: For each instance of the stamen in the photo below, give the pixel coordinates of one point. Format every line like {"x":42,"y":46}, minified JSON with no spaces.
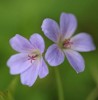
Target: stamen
{"x":31,"y":58}
{"x":67,"y":43}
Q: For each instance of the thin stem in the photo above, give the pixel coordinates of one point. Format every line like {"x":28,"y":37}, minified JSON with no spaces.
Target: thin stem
{"x":59,"y":84}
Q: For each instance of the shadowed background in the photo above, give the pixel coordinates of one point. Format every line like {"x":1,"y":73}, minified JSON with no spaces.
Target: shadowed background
{"x":25,"y":17}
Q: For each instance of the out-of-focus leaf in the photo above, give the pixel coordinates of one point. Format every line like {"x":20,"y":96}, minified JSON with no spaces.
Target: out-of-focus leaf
{"x":94,"y":72}
{"x":9,"y":93}
{"x":6,"y":96}
{"x":12,"y":86}
{"x":93,"y":95}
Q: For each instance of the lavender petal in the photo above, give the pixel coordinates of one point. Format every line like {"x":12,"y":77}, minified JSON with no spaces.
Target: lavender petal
{"x":54,"y":55}
{"x":18,"y":63}
{"x":82,"y":42}
{"x":37,"y":42}
{"x":43,"y":71}
{"x":20,"y":43}
{"x":75,"y":59}
{"x":68,"y":25}
{"x":50,"y":29}
{"x":30,"y":75}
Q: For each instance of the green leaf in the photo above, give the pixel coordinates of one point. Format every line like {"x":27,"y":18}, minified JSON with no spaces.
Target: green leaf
{"x":12,"y":86}
{"x":93,"y":95}
{"x":94,"y":72}
{"x":6,"y":95}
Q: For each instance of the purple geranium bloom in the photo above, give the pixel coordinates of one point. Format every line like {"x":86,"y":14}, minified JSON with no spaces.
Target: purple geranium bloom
{"x":65,"y":44}
{"x":28,"y":62}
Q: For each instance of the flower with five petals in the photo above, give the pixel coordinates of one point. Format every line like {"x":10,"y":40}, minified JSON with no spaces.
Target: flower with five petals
{"x":29,"y":62}
{"x":65,"y":44}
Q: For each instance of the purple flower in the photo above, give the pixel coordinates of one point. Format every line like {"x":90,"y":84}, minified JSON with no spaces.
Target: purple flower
{"x":65,"y":44}
{"x":28,"y":62}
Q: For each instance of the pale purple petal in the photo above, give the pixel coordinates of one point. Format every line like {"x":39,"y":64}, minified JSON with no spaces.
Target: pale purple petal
{"x":76,"y":60}
{"x":30,"y":75}
{"x":20,"y":43}
{"x":82,"y":42}
{"x":50,"y":29}
{"x":68,"y":25}
{"x":54,"y":55}
{"x":18,"y":63}
{"x":37,"y":42}
{"x":43,"y":71}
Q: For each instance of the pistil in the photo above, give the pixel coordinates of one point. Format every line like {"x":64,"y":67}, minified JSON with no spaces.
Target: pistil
{"x":32,"y":57}
{"x":67,"y":43}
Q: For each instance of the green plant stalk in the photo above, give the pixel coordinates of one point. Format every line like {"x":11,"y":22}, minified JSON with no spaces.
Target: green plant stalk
{"x":59,"y":85}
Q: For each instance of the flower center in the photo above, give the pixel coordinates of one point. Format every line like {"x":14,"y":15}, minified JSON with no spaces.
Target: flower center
{"x":32,"y":57}
{"x":67,"y":43}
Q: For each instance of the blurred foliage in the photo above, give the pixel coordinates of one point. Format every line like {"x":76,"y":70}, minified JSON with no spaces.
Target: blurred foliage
{"x":6,"y":96}
{"x":25,"y":17}
{"x":94,"y":93}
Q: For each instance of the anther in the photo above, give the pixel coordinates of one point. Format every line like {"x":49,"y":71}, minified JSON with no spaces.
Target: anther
{"x":67,"y":43}
{"x":31,"y":58}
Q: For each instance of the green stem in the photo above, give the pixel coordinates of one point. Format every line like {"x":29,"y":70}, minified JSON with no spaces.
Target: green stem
{"x":59,"y":84}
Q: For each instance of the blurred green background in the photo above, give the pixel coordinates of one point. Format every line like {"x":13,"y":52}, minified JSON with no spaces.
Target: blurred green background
{"x":25,"y":18}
